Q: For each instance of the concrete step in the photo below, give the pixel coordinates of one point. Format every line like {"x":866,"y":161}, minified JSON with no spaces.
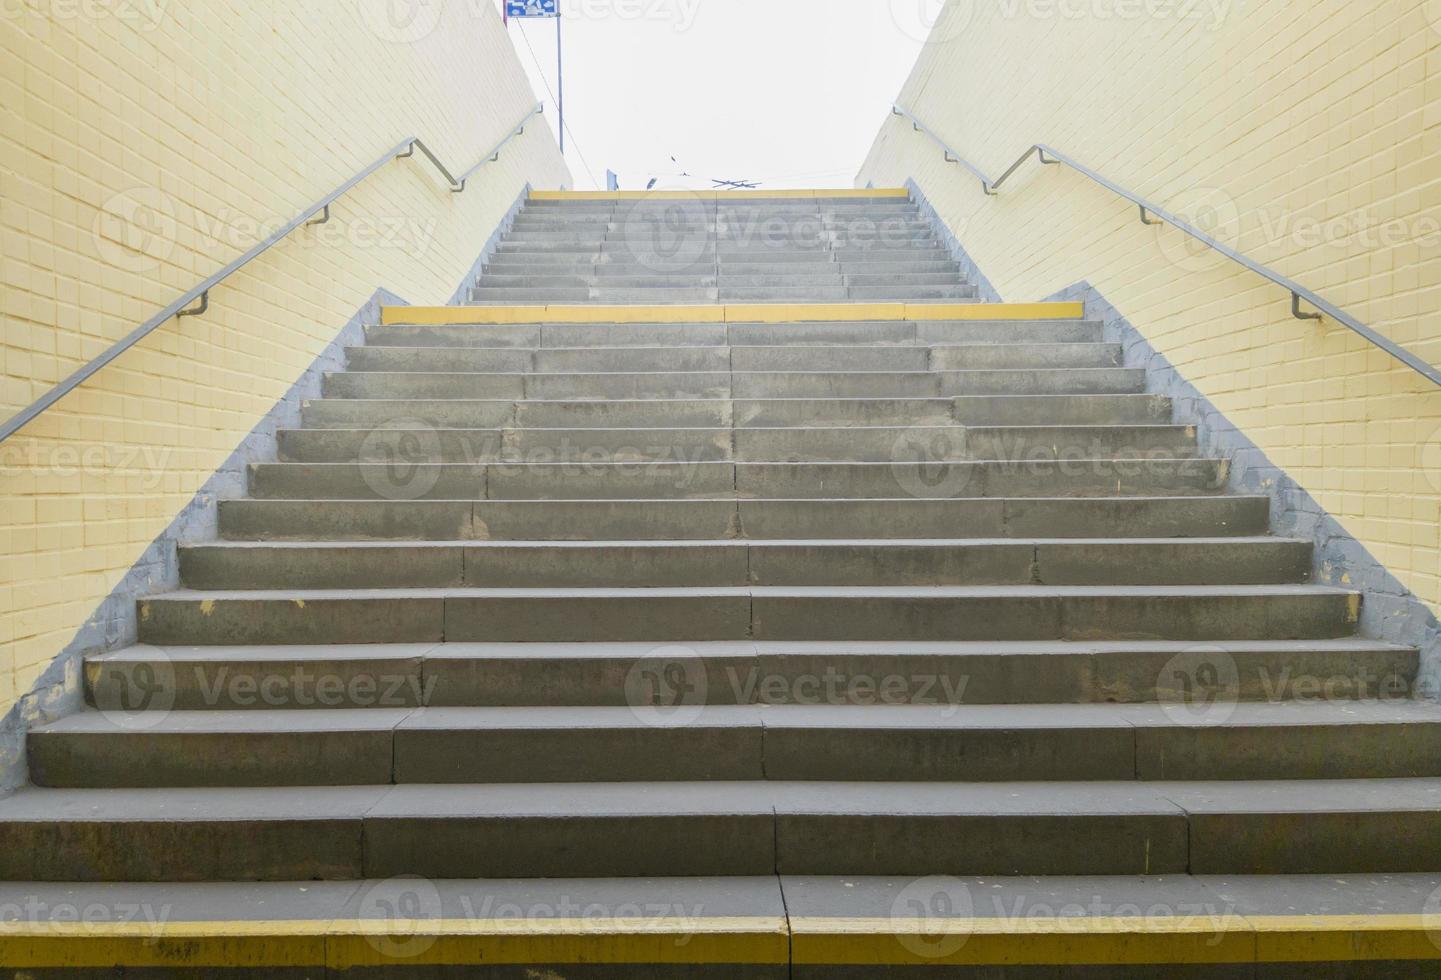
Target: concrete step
{"x":678,"y":520}
{"x":608,"y":386}
{"x":923,"y":478}
{"x":132,"y":682}
{"x":699,"y":564}
{"x":821,"y":275}
{"x":345,"y":413}
{"x":852,"y":334}
{"x":645,"y":743}
{"x":830,"y":358}
{"x":1200,"y":613}
{"x":1335,"y":827}
{"x":758,"y":928}
{"x":402,"y":442}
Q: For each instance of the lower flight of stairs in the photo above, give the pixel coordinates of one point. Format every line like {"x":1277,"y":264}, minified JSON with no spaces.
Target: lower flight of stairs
{"x":816,"y":649}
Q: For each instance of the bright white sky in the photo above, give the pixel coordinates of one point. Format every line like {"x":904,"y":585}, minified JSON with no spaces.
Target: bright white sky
{"x":788,"y":92}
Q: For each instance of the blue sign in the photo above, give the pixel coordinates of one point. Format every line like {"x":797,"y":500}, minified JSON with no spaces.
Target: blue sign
{"x":532,"y":8}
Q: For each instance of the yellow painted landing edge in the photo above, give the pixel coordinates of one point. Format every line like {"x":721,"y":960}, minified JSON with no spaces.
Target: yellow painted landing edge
{"x":757,"y":195}
{"x":346,"y":944}
{"x":732,"y":313}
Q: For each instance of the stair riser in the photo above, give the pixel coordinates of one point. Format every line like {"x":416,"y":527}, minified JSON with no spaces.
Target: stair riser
{"x":751,"y":385}
{"x":834,"y":292}
{"x":714,"y":520}
{"x":859,"y":334}
{"x":875,"y":266}
{"x":696,"y":566}
{"x":708,"y":279}
{"x":430,"y":753}
{"x":712,"y":480}
{"x":456,"y":676}
{"x":406,"y":442}
{"x":409,"y":619}
{"x":800,"y":842}
{"x":725,"y":413}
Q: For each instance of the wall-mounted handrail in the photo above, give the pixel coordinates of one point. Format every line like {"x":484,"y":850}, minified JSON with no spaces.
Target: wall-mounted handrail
{"x":1052,"y":157}
{"x":181,"y":306}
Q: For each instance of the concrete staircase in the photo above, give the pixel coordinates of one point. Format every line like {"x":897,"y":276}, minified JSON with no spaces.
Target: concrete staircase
{"x":834,"y":605}
{"x":697,"y":250}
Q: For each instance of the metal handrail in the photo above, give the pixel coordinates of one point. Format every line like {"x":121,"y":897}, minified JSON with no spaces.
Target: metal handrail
{"x":1051,"y":157}
{"x":181,"y":306}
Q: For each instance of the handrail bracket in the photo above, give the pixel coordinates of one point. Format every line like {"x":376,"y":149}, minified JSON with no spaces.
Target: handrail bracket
{"x":1296,"y":309}
{"x":1145,"y":217}
{"x":199,"y":310}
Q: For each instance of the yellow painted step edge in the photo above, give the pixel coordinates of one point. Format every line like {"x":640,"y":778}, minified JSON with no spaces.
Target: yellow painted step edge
{"x":733,"y":313}
{"x":344,"y":944}
{"x":757,"y":195}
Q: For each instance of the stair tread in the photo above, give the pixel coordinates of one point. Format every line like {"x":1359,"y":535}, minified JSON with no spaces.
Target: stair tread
{"x":900,"y":717}
{"x":764,"y":799}
{"x":872,"y":543}
{"x":930,"y":591}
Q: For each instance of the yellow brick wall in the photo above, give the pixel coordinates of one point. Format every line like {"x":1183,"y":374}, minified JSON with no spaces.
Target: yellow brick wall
{"x":144,"y":144}
{"x":1307,"y":133}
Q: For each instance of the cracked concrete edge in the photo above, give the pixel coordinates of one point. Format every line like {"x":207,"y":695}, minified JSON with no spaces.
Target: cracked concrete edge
{"x":58,"y":691}
{"x":1390,"y":611}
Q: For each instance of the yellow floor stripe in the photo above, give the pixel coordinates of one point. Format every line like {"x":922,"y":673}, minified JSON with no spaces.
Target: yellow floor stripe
{"x":732,"y":313}
{"x":345,"y":944}
{"x":757,"y":195}
{"x":1115,"y":941}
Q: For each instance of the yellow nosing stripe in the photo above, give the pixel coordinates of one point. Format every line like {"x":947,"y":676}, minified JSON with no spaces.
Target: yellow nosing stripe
{"x":757,"y":195}
{"x":731,"y":313}
{"x":763,"y":940}
{"x":347,"y":944}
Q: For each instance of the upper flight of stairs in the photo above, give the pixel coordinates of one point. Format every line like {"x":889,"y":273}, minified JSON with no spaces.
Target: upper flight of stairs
{"x":698,"y":251}
{"x":803,"y":613}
